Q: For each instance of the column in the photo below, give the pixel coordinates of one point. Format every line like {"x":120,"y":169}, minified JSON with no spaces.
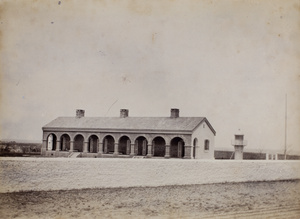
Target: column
{"x":180,"y":149}
{"x":100,"y":148}
{"x":116,"y":149}
{"x":91,"y":145}
{"x":149,"y":151}
{"x":167,"y":155}
{"x":144,"y":148}
{"x":85,"y":146}
{"x":63,"y":144}
{"x":105,"y":146}
{"x":187,"y":152}
{"x":136,"y":147}
{"x":128,"y":148}
{"x":57,"y":145}
{"x":153,"y":147}
{"x":267,"y":156}
{"x":132,"y":149}
{"x":71,"y":146}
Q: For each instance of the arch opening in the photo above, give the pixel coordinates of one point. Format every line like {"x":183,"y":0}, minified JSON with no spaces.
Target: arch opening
{"x":93,"y":144}
{"x":159,"y":147}
{"x":108,"y":145}
{"x":177,"y":148}
{"x":124,"y":145}
{"x":142,"y":149}
{"x":51,"y":142}
{"x":65,"y":142}
{"x":78,"y":143}
{"x":195,"y":144}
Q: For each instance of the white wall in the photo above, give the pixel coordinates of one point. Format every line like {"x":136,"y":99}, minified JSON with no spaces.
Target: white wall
{"x":203,"y":132}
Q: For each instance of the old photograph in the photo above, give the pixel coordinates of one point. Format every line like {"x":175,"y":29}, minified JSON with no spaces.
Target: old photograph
{"x":150,"y":109}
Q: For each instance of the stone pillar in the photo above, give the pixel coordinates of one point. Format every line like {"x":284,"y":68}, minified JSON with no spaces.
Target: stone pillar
{"x":180,"y":149}
{"x":100,"y":148}
{"x":132,"y":149}
{"x":153,"y":148}
{"x":136,"y":147}
{"x":144,"y":148}
{"x":267,"y":156}
{"x":91,"y":142}
{"x":276,"y":156}
{"x":71,"y":146}
{"x":44,"y":148}
{"x":105,"y":146}
{"x":116,"y":149}
{"x":85,"y":146}
{"x":149,"y":151}
{"x":57,"y":145}
{"x":63,"y":144}
{"x":167,"y":155}
{"x":128,"y":148}
{"x":187,"y":152}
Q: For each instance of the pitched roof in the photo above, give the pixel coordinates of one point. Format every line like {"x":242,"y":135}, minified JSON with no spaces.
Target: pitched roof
{"x":128,"y":123}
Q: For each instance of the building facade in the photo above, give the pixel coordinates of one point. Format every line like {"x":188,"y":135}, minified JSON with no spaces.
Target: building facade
{"x":125,"y":136}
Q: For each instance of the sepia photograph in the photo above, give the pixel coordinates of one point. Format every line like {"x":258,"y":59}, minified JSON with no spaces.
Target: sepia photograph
{"x":150,"y":109}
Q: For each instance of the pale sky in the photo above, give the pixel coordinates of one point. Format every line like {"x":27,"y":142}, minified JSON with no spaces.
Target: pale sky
{"x":231,"y":61}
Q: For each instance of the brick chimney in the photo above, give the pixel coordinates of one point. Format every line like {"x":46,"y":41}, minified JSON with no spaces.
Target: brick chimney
{"x":124,"y":113}
{"x":79,"y":113}
{"x":174,"y":113}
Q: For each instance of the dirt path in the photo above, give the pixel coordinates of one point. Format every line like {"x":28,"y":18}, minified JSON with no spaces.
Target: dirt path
{"x":238,"y":200}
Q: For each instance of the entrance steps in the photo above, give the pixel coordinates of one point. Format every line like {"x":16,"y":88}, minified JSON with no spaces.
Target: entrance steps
{"x":138,"y":157}
{"x":74,"y":154}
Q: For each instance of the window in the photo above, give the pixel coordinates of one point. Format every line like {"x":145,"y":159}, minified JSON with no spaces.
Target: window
{"x":206,"y":144}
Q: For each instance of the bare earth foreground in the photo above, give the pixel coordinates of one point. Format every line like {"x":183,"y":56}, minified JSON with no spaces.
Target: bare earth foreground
{"x":148,"y":188}
{"x":279,"y":199}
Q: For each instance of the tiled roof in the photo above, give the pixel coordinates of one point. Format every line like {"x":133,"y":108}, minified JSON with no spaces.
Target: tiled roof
{"x":128,"y":123}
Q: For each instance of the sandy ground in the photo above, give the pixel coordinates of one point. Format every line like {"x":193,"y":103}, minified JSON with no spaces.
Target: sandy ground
{"x":148,"y":188}
{"x":43,"y":174}
{"x":279,"y":199}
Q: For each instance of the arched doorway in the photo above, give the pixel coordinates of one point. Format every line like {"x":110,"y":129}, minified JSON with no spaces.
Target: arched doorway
{"x":65,"y":142}
{"x":142,"y":149}
{"x":51,"y":142}
{"x":124,"y":145}
{"x":195,"y":144}
{"x":108,"y":145}
{"x":78,"y":143}
{"x":159,"y":147}
{"x":93,"y":144}
{"x":177,"y":148}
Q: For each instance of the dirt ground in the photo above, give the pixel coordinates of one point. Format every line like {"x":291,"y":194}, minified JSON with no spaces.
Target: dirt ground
{"x":45,"y":174}
{"x":277,"y":199}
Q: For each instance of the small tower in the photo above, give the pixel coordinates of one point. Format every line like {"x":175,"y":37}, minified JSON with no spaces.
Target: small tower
{"x":239,"y":143}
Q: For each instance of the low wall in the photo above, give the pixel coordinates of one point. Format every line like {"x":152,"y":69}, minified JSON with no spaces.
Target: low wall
{"x":67,"y":173}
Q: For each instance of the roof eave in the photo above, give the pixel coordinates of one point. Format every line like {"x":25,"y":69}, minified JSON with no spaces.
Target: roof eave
{"x":60,"y":129}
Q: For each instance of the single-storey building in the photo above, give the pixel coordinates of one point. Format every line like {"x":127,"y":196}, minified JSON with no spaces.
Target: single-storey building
{"x":125,"y":136}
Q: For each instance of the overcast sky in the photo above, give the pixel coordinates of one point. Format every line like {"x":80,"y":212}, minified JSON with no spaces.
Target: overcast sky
{"x":231,"y":61}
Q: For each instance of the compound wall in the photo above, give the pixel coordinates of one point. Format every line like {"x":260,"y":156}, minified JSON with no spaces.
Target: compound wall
{"x":75,"y":173}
